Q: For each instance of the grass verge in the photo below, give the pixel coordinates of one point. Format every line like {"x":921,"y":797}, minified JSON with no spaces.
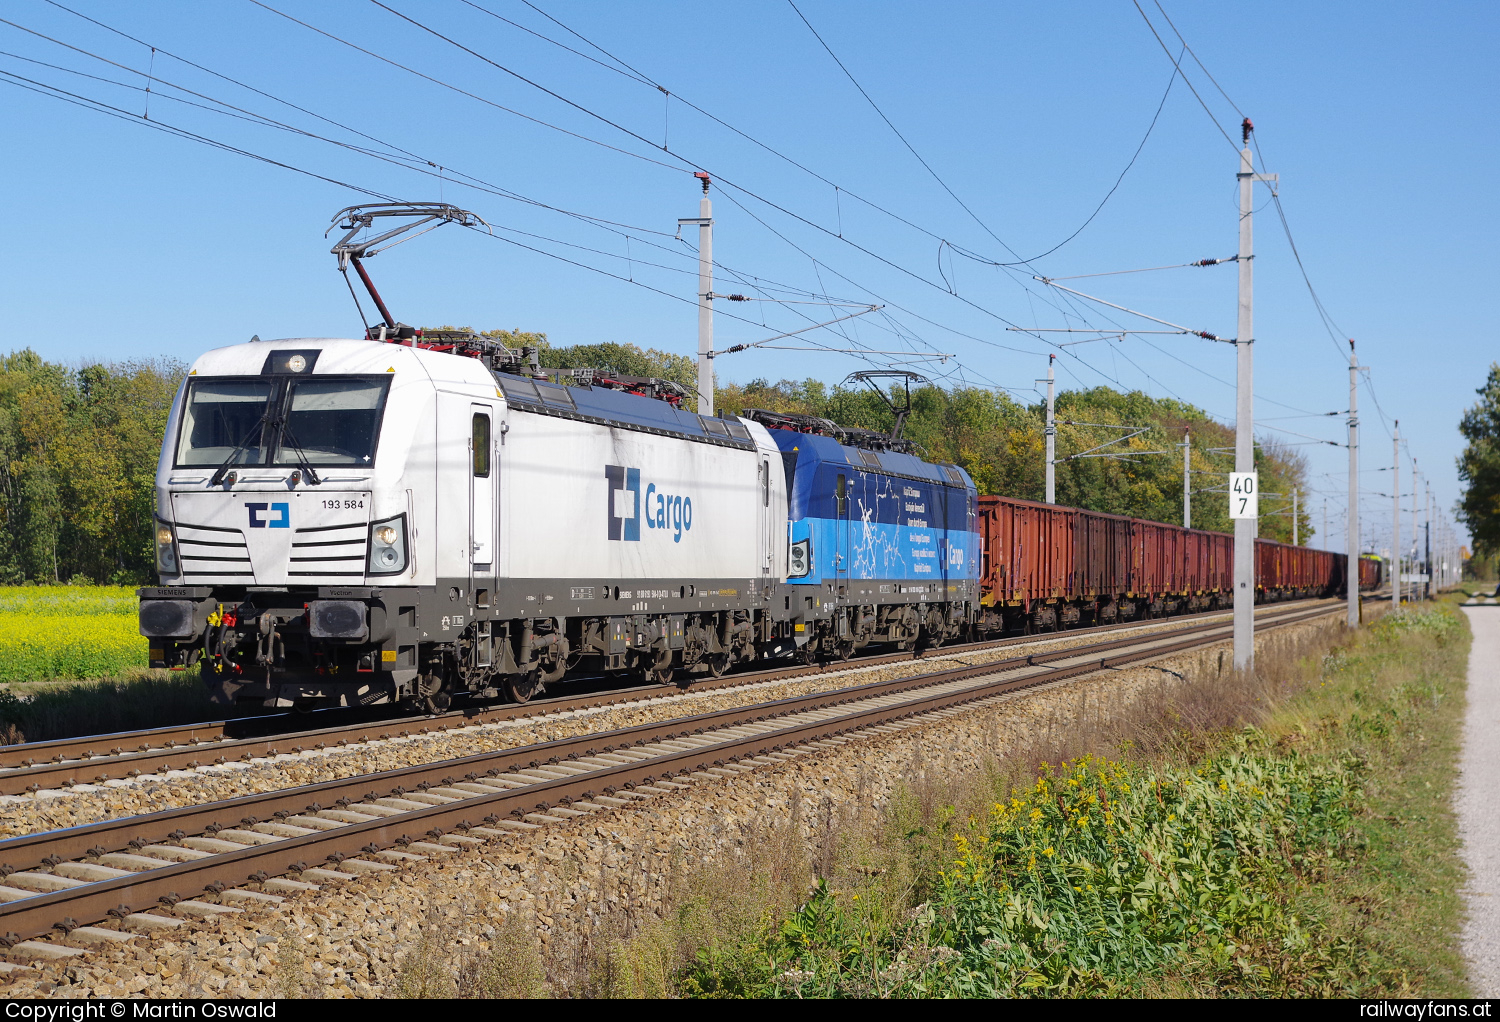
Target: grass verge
{"x":72,"y":662}
{"x":140,"y":698}
{"x":1283,"y":838}
{"x":1287,"y":838}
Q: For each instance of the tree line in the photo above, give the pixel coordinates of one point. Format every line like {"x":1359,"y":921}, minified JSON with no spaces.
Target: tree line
{"x":78,"y":453}
{"x":1479,"y":469}
{"x":79,"y":449}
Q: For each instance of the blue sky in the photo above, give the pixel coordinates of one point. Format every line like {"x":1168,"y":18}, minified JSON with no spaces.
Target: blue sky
{"x":125,"y":242}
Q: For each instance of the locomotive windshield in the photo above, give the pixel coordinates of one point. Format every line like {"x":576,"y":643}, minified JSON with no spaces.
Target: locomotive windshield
{"x":224,"y":420}
{"x":322,"y":421}
{"x":332,"y":422}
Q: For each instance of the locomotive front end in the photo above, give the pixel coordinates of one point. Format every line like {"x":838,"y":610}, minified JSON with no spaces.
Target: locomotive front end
{"x":285,"y":533}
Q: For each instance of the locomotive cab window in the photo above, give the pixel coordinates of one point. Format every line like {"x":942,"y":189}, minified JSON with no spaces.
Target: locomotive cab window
{"x":322,"y":421}
{"x":481,"y":446}
{"x":332,"y":422}
{"x":841,"y":492}
{"x":222,"y":422}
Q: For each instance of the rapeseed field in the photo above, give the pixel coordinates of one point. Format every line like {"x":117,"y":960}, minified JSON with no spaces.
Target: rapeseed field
{"x":51,"y":632}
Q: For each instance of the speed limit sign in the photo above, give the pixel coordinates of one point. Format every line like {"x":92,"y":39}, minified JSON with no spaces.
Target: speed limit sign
{"x":1244,"y":495}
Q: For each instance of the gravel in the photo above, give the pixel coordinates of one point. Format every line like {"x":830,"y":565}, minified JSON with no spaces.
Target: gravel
{"x":87,"y":803}
{"x":349,"y":940}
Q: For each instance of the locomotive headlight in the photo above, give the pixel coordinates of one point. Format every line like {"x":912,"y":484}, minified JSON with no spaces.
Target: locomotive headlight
{"x":166,"y":549}
{"x":387,"y":547}
{"x":799,"y":559}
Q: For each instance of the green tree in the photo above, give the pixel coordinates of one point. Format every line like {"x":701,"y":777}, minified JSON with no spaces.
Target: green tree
{"x":78,"y":456}
{"x":1479,"y":466}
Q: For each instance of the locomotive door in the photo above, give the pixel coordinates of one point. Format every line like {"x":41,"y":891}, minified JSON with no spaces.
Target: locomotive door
{"x":841,"y":528}
{"x":482,"y":480}
{"x":764,"y":532}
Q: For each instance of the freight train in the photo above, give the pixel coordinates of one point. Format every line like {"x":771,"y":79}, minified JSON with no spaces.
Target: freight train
{"x":414,"y":517}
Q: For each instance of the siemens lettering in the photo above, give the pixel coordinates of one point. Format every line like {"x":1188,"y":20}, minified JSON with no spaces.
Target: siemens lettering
{"x":664,"y":511}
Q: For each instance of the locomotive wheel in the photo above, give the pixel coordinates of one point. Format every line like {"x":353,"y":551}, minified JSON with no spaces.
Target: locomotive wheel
{"x":521,"y":687}
{"x":845,"y":649}
{"x":429,"y":695}
{"x":661,"y":671}
{"x":718,"y":663}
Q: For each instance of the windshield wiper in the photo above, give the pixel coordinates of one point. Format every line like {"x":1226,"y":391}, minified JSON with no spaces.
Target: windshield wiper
{"x":255,"y":430}
{"x":310,"y":473}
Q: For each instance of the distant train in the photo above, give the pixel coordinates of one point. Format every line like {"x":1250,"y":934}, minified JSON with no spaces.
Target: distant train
{"x":406,"y":519}
{"x":1047,"y":567}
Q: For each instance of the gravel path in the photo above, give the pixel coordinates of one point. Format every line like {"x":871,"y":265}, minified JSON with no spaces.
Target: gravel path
{"x":1479,"y":802}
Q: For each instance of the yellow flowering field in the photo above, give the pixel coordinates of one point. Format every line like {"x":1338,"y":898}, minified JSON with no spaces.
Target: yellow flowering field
{"x":68,"y":632}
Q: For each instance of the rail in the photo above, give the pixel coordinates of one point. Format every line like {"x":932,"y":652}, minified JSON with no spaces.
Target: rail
{"x":138,"y":864}
{"x":93,"y":759}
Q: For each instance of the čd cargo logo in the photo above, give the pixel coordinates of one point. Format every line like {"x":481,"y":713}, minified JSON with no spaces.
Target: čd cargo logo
{"x":281,"y":511}
{"x":662,"y":510}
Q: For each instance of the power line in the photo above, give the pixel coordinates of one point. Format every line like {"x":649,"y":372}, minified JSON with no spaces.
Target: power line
{"x":232,"y":81}
{"x":897,"y":132}
{"x":473,"y":96}
{"x":101,"y":107}
{"x":469,"y":180}
{"x":1185,"y":80}
{"x":723,"y":180}
{"x":1110,"y":194}
{"x":1200,"y":63}
{"x":594,"y":220}
{"x":257,"y":118}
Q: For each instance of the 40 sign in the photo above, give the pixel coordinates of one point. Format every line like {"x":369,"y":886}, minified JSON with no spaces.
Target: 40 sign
{"x":1244,"y":495}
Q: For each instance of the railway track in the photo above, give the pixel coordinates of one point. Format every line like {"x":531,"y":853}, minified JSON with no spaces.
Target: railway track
{"x":93,"y":759}
{"x":133,"y":870}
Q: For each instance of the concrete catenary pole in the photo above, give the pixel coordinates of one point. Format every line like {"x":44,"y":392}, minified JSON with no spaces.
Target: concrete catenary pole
{"x":1051,"y":434}
{"x":1187,"y":479}
{"x":1351,"y":540}
{"x":705,"y":223}
{"x":1412,"y":592}
{"x":1396,"y":520}
{"x":1427,"y":544}
{"x":1244,"y":408}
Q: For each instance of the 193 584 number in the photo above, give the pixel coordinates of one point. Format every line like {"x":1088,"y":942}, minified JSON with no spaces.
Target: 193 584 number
{"x":343,"y":505}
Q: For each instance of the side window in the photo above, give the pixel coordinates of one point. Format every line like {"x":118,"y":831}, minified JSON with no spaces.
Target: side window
{"x":481,"y":446}
{"x":841,"y":491}
{"x":765,"y":483}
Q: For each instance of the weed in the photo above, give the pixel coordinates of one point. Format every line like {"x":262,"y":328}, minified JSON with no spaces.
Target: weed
{"x":1227,"y":836}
